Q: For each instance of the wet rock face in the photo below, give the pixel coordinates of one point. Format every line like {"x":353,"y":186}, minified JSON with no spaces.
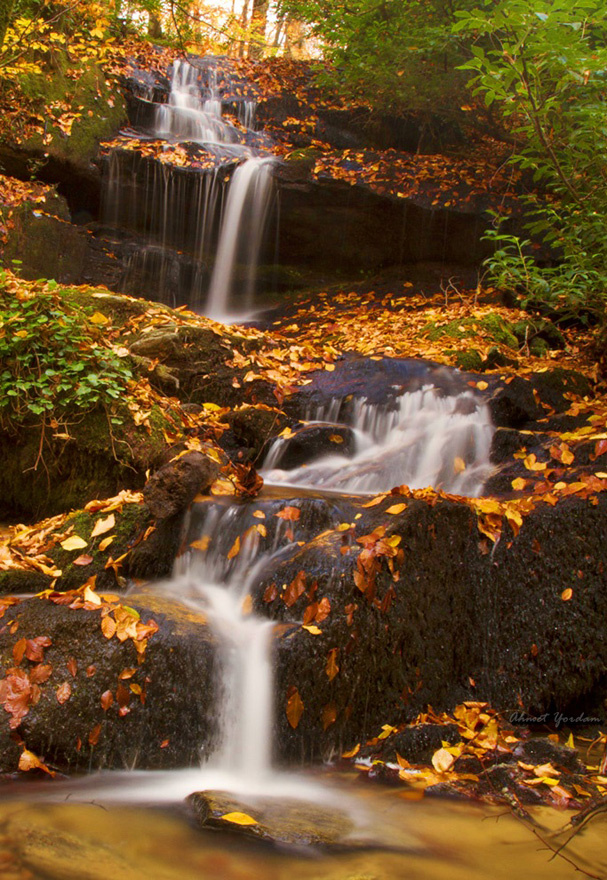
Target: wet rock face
{"x":91,"y":701}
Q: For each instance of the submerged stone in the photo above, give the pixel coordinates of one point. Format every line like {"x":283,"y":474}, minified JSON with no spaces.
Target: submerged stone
{"x":282,"y":821}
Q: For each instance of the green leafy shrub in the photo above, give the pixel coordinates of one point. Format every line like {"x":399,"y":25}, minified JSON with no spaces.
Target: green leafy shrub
{"x":54,"y":360}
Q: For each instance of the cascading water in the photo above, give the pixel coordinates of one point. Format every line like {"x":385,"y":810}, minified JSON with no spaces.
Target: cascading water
{"x":212,"y":212}
{"x":425,"y":439}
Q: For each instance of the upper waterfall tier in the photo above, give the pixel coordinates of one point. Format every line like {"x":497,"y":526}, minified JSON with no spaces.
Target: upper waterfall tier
{"x":203,"y":226}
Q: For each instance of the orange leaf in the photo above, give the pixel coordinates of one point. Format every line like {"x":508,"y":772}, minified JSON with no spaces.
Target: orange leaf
{"x":332,"y":667}
{"x":396,"y":508}
{"x":63,"y":692}
{"x":107,"y":698}
{"x":235,"y":549}
{"x":295,"y":708}
{"x":290,"y":514}
{"x":329,"y":716}
{"x":567,"y":594}
{"x":94,"y":735}
{"x":108,"y":627}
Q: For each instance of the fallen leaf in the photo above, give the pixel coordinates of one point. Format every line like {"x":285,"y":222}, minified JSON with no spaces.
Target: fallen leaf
{"x":103,"y":525}
{"x":332,"y":667}
{"x":567,"y":594}
{"x":74,"y":542}
{"x":396,"y":508}
{"x":295,"y":708}
{"x":239,"y":818}
{"x":442,"y":760}
{"x":63,"y":692}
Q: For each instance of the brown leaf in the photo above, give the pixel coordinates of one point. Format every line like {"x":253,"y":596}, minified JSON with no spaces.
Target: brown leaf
{"x":34,"y":648}
{"x":295,"y":589}
{"x":329,"y":716}
{"x":19,"y":651}
{"x":72,"y":666}
{"x":324,"y":609}
{"x":310,"y":613}
{"x":94,"y":735}
{"x":90,"y":671}
{"x":123,"y":696}
{"x":295,"y":707}
{"x":332,"y":667}
{"x":63,"y":692}
{"x":107,"y":698}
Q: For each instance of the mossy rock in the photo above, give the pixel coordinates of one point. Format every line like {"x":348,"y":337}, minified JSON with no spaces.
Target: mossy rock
{"x":467,"y":360}
{"x":43,"y":476}
{"x":493,"y":325}
{"x":44,"y":246}
{"x":100,"y":108}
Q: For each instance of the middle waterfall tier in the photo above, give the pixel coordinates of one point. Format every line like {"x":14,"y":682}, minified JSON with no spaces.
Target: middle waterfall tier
{"x":195,"y":188}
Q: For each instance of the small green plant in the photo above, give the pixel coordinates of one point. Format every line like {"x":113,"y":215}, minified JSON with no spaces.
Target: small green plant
{"x":54,"y":361}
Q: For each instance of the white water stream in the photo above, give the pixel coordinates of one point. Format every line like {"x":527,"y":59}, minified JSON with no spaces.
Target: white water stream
{"x":194,"y":220}
{"x":425,"y":439}
{"x":194,"y":112}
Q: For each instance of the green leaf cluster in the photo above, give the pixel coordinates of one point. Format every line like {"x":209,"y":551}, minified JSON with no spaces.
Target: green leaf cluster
{"x":54,"y":360}
{"x":543,"y":65}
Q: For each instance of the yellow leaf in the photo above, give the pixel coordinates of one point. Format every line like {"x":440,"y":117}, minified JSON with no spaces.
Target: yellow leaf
{"x":442,"y":760}
{"x":567,"y":594}
{"x":21,"y":334}
{"x":202,"y":543}
{"x":329,"y":367}
{"x":103,"y":525}
{"x":396,"y":508}
{"x":239,"y":819}
{"x":386,"y":730}
{"x":313,"y":629}
{"x":99,"y":319}
{"x":235,"y":549}
{"x":74,"y":542}
{"x":482,"y":385}
{"x":352,"y":752}
{"x":519,"y":484}
{"x":247,"y":605}
{"x":91,"y":596}
{"x":103,"y":545}
{"x":375,"y":501}
{"x":459,"y":465}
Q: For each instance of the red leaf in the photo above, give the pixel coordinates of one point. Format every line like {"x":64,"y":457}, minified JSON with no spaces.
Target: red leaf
{"x":290,"y":514}
{"x":39,"y":674}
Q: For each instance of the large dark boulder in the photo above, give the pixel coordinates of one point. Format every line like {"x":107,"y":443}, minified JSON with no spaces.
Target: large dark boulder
{"x":80,"y":699}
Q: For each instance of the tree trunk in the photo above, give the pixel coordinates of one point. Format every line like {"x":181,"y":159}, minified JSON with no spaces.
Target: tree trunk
{"x":154,"y":27}
{"x":244,"y":23}
{"x":6,"y":10}
{"x":259,"y":19}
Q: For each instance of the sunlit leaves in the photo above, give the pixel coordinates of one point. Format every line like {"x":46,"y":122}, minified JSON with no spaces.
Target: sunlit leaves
{"x":237,"y":818}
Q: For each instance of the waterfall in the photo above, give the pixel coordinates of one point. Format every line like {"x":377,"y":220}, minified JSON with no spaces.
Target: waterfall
{"x":203,"y":227}
{"x":425,"y":440}
{"x":242,"y":232}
